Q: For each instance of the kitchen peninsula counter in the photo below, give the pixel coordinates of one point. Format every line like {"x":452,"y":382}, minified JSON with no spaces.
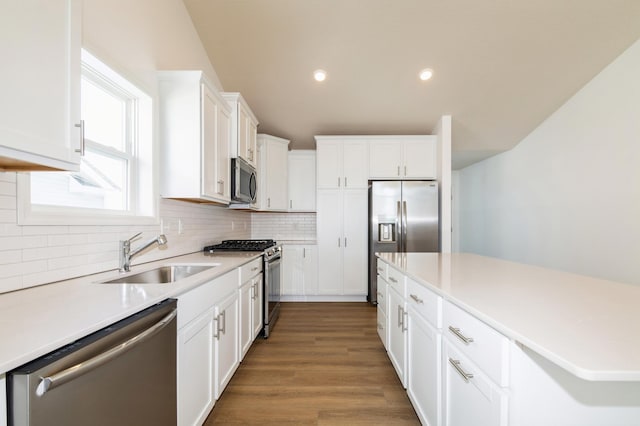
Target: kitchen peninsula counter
{"x":587,"y":326}
{"x":38,"y":320}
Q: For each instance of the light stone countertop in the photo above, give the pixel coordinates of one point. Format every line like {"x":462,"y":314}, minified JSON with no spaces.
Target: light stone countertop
{"x":586,"y":325}
{"x":38,"y":320}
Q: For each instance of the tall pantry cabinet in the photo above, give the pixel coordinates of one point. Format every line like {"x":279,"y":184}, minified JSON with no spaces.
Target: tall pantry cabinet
{"x":342,"y":173}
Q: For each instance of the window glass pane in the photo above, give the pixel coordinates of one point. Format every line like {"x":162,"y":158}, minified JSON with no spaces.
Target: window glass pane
{"x":104,"y":115}
{"x":100,"y":184}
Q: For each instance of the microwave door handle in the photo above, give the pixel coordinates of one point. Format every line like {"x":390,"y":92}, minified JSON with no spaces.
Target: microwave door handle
{"x":253,"y":187}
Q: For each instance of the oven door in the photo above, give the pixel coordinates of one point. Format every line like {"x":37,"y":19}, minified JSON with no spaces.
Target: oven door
{"x":272,"y":283}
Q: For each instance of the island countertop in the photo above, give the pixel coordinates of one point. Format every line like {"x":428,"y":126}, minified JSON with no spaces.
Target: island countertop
{"x":586,"y":325}
{"x":38,"y":320}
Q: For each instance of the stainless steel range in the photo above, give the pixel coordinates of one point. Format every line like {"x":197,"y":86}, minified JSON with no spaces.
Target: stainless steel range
{"x":272,"y":273}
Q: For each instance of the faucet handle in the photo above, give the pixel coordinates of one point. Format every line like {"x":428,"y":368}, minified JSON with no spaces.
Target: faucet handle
{"x":134,"y":237}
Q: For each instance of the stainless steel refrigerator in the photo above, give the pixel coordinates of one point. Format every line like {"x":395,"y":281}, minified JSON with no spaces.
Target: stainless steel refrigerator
{"x":403,"y":217}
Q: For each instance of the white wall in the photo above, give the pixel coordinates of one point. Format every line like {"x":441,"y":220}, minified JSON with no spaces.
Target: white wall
{"x":136,"y":38}
{"x":568,"y":195}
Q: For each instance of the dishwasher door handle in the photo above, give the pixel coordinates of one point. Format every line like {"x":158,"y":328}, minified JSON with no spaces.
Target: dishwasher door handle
{"x":64,"y":376}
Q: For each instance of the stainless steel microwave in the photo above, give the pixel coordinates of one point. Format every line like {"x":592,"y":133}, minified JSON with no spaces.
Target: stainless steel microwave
{"x":244,"y":186}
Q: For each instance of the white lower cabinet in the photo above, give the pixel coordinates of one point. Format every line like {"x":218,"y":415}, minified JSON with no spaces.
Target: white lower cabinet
{"x":299,"y":271}
{"x":470,"y":397}
{"x":250,"y":304}
{"x":210,"y":328}
{"x":226,"y":347}
{"x":397,"y":338}
{"x":195,"y":370}
{"x":424,"y":355}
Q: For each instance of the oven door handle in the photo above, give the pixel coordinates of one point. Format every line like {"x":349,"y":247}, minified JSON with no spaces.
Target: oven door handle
{"x":64,"y":376}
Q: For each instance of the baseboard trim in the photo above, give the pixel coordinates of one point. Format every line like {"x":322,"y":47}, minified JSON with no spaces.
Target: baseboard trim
{"x":323,"y":298}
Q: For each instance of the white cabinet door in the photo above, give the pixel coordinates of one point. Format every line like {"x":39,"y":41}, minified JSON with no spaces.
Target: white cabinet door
{"x":209,"y":136}
{"x":302,"y":181}
{"x":40,"y":75}
{"x":257,"y":303}
{"x":244,"y":143}
{"x":195,"y":370}
{"x":310,"y":269}
{"x":223,"y":157}
{"x":330,"y":241}
{"x":424,"y":355}
{"x":470,"y":400}
{"x":244,"y":127}
{"x":355,"y":164}
{"x":252,"y":132}
{"x":355,"y":242}
{"x":273,"y":173}
{"x":226,"y":342}
{"x":420,"y":159}
{"x":385,"y":159}
{"x":382,"y":327}
{"x":397,"y":344}
{"x":246,"y":324}
{"x":329,"y":165}
{"x":292,"y":272}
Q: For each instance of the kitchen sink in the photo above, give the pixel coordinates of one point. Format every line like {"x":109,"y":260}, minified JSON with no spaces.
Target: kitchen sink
{"x":162,"y":275}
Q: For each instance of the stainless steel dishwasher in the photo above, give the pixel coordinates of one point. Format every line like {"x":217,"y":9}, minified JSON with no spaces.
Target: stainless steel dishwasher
{"x":124,"y":374}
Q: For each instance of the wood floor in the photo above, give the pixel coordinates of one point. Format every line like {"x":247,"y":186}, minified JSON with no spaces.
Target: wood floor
{"x":322,"y":365}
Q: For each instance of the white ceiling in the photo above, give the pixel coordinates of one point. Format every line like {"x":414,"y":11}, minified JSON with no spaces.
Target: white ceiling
{"x":500,"y":66}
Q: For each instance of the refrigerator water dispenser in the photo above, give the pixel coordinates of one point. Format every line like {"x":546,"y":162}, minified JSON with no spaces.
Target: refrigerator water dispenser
{"x":386,"y":232}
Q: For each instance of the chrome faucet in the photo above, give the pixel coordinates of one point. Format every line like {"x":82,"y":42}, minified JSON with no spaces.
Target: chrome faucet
{"x":126,"y":254}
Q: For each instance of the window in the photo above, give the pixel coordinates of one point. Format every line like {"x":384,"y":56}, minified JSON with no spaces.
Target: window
{"x":115,"y":179}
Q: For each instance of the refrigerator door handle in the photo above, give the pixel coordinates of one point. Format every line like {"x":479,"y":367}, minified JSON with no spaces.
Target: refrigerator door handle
{"x":404,"y":226}
{"x":399,"y":226}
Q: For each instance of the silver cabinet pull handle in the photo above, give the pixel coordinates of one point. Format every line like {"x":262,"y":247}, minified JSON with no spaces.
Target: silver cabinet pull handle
{"x":379,"y":326}
{"x":338,"y":182}
{"x":398,"y":170}
{"x":269,"y":202}
{"x":345,"y":241}
{"x":405,"y":170}
{"x":304,"y":252}
{"x":290,"y":204}
{"x":416,"y":298}
{"x":399,"y":316}
{"x":345,"y":182}
{"x":338,"y":241}
{"x":379,"y":294}
{"x":380,"y":270}
{"x":405,"y":324}
{"x":224,"y":322}
{"x":216,"y":334}
{"x":456,"y":331}
{"x":81,"y":126}
{"x":456,"y":364}
{"x":64,"y":376}
{"x":393,"y":280}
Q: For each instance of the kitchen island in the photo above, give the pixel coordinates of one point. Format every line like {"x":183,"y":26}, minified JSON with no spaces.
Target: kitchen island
{"x":541,"y":346}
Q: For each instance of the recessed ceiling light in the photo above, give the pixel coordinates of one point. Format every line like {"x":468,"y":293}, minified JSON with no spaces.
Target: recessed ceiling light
{"x":320,"y":75}
{"x":426,"y":74}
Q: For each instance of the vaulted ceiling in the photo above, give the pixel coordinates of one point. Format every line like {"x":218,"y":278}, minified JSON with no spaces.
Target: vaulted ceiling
{"x":500,"y":66}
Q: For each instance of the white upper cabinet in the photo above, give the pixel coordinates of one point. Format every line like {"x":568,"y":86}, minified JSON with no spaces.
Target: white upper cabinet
{"x":302,"y":181}
{"x":403,"y":157}
{"x":40,"y":42}
{"x":244,"y":128}
{"x":272,"y":172}
{"x":341,"y":163}
{"x":194,"y":132}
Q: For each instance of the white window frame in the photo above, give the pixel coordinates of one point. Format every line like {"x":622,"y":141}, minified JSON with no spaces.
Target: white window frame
{"x":143,"y":197}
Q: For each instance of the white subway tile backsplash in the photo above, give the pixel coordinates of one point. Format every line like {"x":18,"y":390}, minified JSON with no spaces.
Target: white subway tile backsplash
{"x":35,"y":255}
{"x":284,"y":226}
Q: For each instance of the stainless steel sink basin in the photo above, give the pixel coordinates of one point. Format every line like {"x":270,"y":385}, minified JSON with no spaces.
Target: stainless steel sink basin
{"x":161,"y":275}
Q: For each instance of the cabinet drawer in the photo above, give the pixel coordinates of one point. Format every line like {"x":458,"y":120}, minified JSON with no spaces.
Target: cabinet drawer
{"x":251,"y":269}
{"x":194,"y":302}
{"x":424,"y":302}
{"x":396,"y":280}
{"x":478,"y":341}
{"x":381,"y":269}
{"x":382,"y":294}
